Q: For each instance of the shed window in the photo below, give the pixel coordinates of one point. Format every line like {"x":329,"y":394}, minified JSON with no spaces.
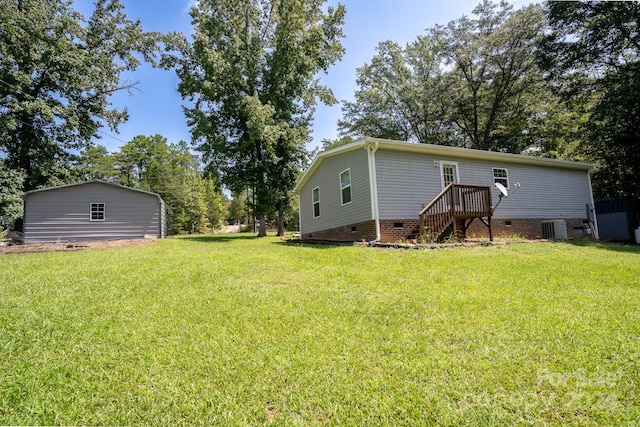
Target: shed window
{"x":97,"y":212}
{"x":502,"y":176}
{"x":345,"y":186}
{"x":315,"y":195}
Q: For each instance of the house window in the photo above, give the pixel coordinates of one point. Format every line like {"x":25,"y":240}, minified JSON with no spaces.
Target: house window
{"x":502,"y":176}
{"x":315,"y":195}
{"x":97,"y":212}
{"x":345,"y":186}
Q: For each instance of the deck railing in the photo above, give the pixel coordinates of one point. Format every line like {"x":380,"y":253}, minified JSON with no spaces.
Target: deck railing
{"x":455,"y":202}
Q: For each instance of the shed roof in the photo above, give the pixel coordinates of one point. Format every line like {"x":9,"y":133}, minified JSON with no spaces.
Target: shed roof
{"x":441,"y":150}
{"x":95,"y":181}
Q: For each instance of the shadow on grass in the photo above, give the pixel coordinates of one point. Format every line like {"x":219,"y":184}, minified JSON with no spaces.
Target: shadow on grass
{"x":318,"y":244}
{"x":218,"y":238}
{"x":609,"y":246}
{"x":233,"y":237}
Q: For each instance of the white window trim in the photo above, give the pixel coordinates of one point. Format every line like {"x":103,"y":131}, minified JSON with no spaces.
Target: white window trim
{"x":104,"y":211}
{"x":342,"y":188}
{"x":447,"y":162}
{"x":313,"y":203}
{"x":493,"y":175}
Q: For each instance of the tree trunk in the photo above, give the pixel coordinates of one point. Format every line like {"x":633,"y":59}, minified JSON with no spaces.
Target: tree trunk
{"x":24,"y":159}
{"x":280,"y":217}
{"x":263,"y":225}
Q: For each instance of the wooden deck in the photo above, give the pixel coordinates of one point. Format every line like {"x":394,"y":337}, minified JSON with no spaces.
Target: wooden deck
{"x":451,"y":212}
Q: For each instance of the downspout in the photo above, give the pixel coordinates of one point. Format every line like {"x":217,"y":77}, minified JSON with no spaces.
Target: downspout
{"x":373,"y":186}
{"x":299,"y":215}
{"x":596,"y":233}
{"x":163,"y":219}
{"x":24,"y":217}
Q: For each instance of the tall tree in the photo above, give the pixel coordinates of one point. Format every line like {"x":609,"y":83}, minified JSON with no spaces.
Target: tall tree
{"x":56,"y":76}
{"x":493,"y":69}
{"x":98,"y":162}
{"x":216,"y":203}
{"x":473,"y":83}
{"x":592,"y":57}
{"x":11,"y":182}
{"x":236,"y":209}
{"x":144,"y":162}
{"x":400,"y":95}
{"x":250,"y":74}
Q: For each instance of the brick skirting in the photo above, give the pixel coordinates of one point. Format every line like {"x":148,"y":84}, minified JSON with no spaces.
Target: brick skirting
{"x":402,"y":229}
{"x":398,"y":229}
{"x":347,"y":233}
{"x":530,"y":228}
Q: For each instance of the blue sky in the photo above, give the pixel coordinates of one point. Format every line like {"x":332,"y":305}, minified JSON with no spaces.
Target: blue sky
{"x":157,"y":108}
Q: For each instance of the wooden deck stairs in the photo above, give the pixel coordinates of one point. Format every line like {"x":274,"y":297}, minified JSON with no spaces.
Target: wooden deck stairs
{"x":451,"y":212}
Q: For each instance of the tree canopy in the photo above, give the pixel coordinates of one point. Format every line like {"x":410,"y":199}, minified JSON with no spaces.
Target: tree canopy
{"x":592,"y":58}
{"x":472,"y":83}
{"x":250,"y":78}
{"x":11,"y":182}
{"x":194,"y":200}
{"x":57,"y":72}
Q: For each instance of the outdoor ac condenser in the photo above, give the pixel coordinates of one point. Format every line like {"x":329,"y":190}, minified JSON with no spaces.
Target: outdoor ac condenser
{"x":555,"y":229}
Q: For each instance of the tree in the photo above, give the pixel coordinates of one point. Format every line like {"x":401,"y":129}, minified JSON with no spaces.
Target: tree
{"x":11,"y":182}
{"x":250,"y":74}
{"x":216,"y":204}
{"x":56,"y":76}
{"x":328,"y":144}
{"x":144,"y":162}
{"x":473,"y":83}
{"x":399,"y":95}
{"x":378,"y":109}
{"x":236,"y":209}
{"x":493,"y":69}
{"x":99,"y":163}
{"x":592,"y":58}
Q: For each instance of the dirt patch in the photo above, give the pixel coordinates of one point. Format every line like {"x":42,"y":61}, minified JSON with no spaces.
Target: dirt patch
{"x":72,"y":246}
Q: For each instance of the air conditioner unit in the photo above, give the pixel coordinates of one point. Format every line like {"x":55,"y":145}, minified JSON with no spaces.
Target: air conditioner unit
{"x":555,"y":229}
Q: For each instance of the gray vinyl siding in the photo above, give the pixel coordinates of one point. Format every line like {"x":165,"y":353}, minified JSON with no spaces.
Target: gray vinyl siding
{"x":327,"y":179}
{"x":407,"y":181}
{"x":62,"y":214}
{"x":545,"y":192}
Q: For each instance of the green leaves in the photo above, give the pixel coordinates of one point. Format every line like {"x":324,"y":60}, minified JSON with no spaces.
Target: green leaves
{"x":472,"y":83}
{"x":592,"y":57}
{"x":56,"y":76}
{"x":11,"y":182}
{"x":250,"y":72}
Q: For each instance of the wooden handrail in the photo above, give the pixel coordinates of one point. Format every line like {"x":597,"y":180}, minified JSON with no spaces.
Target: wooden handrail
{"x":435,"y":199}
{"x":455,"y":202}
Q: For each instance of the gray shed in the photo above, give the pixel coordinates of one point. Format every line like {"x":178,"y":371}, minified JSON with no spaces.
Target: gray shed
{"x":617,"y":219}
{"x":93,"y":210}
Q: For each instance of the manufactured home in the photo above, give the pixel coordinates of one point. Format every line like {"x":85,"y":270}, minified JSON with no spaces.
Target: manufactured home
{"x":93,"y":210}
{"x":376,"y":189}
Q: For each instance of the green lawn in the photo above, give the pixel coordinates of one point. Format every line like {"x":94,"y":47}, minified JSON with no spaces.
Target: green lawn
{"x":233,"y":330}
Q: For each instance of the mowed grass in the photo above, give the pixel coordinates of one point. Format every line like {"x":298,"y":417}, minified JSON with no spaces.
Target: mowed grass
{"x":233,"y":330}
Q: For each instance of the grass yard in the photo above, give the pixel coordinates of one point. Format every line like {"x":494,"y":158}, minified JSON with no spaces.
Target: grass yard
{"x":233,"y":330}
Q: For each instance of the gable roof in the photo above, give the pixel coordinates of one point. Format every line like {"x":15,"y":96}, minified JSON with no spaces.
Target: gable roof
{"x":95,"y":181}
{"x":443,"y":151}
